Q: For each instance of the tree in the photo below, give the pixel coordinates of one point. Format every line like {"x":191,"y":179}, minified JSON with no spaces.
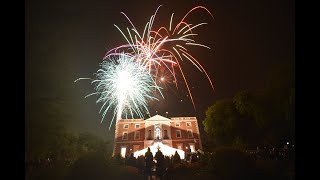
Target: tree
{"x":279,"y":102}
{"x":44,"y":129}
{"x":279,"y":115}
{"x":220,"y":121}
{"x":271,"y":113}
{"x":63,"y":147}
{"x":233,"y":122}
{"x":267,"y":117}
{"x":91,"y":143}
{"x":251,"y":118}
{"x":243,"y":101}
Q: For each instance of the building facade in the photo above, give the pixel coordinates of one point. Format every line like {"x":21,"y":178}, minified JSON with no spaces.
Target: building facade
{"x":132,"y":135}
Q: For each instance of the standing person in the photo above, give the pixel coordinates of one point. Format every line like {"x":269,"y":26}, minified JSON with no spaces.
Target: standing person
{"x":160,"y":163}
{"x":189,"y":155}
{"x":148,"y":160}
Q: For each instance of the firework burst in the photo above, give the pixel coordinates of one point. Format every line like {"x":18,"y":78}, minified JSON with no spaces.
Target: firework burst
{"x":125,"y":86}
{"x":127,"y":80}
{"x":163,"y":47}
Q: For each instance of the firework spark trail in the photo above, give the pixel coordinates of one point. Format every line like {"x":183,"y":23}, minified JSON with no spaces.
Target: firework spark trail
{"x":124,"y":84}
{"x":152,"y":48}
{"x":127,"y":78}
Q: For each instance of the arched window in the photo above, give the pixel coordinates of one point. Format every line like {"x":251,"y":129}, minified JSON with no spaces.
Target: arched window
{"x":158,"y":133}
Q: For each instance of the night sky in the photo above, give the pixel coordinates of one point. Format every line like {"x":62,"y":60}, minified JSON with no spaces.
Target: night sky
{"x":66,"y":40}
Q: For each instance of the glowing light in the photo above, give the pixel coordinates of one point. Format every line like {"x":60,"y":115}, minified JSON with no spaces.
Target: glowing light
{"x":123,"y":152}
{"x":126,"y":80}
{"x":166,"y":150}
{"x":124,"y":85}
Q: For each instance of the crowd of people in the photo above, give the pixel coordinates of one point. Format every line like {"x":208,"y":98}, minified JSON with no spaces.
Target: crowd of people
{"x":158,"y":165}
{"x":273,"y":153}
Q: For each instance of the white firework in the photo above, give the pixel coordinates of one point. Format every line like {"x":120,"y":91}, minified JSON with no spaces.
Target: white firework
{"x":125,"y":86}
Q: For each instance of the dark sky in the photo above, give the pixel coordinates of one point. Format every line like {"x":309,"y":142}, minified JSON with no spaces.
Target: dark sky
{"x":66,"y":40}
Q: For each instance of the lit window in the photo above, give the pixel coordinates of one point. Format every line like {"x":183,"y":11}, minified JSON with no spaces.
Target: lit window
{"x":177,"y":124}
{"x":125,"y":136}
{"x":137,"y":135}
{"x":190,"y":133}
{"x":125,"y":126}
{"x":192,"y":147}
{"x":149,"y":135}
{"x":178,"y":133}
{"x":188,"y":124}
{"x":179,"y":146}
{"x":165,"y":134}
{"x":137,"y":126}
{"x":123,"y":152}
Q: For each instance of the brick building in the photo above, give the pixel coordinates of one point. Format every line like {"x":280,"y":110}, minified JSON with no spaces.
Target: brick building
{"x":132,"y":135}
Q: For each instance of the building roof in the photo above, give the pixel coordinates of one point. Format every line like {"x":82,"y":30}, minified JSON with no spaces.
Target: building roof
{"x":157,"y":118}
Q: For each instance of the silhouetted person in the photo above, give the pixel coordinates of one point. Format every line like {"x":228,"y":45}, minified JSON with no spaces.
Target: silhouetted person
{"x":176,"y":158}
{"x":140,"y":163}
{"x":160,"y":163}
{"x":189,"y":156}
{"x":148,"y":159}
{"x":132,"y":160}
